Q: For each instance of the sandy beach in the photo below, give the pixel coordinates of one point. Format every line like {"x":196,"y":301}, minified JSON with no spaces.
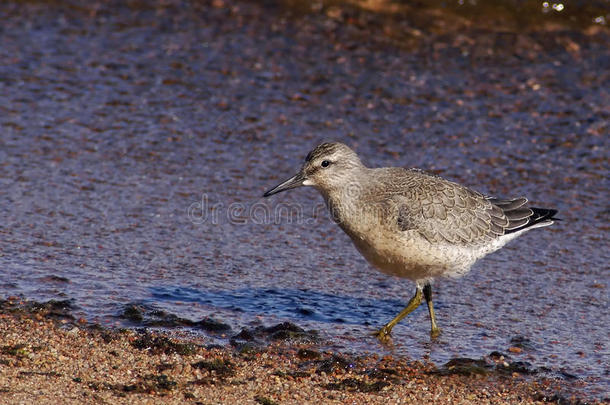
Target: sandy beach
{"x":48,"y":358}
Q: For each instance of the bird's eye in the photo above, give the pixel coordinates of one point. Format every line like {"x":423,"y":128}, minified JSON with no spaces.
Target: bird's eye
{"x":325,"y":163}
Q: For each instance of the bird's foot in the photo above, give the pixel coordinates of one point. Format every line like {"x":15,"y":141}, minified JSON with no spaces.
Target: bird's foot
{"x":383,"y":335}
{"x":435,"y":332}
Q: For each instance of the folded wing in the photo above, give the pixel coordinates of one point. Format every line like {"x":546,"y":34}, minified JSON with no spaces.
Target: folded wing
{"x":441,"y":210}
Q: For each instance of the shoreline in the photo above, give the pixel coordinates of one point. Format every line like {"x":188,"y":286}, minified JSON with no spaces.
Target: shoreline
{"x":47,"y":356}
{"x":116,"y":114}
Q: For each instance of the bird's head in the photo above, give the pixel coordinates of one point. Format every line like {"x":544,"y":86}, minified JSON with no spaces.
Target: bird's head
{"x":328,"y":166}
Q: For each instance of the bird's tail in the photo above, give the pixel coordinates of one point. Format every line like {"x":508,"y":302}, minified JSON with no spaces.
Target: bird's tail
{"x":520,"y":216}
{"x":539,"y":217}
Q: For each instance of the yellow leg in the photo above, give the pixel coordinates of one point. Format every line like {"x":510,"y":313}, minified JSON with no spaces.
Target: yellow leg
{"x":435,"y":331}
{"x":384,"y":333}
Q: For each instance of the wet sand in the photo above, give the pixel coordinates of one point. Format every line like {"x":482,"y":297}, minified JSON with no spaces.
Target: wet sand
{"x":46,"y":357}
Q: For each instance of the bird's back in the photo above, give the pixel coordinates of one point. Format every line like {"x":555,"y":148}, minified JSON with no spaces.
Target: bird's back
{"x":445,"y":211}
{"x":410,"y":222}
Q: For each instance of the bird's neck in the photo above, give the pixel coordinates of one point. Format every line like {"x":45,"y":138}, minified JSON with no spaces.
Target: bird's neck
{"x":344,"y":198}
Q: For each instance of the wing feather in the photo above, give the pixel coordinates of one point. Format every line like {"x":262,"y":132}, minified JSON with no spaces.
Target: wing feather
{"x":444,"y":211}
{"x":441,"y":210}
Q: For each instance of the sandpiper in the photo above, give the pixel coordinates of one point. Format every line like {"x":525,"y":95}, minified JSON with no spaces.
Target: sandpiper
{"x":409,"y":223}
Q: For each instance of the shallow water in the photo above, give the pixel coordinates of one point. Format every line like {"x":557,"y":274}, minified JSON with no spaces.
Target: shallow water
{"x":136,"y":142}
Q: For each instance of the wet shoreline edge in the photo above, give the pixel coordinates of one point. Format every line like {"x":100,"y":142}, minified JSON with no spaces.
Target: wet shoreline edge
{"x":276,"y":364}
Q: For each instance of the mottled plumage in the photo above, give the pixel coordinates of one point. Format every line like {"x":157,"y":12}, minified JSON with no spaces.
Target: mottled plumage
{"x":409,"y":223}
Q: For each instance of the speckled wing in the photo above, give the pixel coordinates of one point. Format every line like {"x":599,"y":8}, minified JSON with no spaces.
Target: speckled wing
{"x":443,"y":211}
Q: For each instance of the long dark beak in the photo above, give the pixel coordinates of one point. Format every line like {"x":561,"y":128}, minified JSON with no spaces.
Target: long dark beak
{"x":293,"y":182}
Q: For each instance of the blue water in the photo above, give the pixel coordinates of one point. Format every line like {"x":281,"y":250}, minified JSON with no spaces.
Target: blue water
{"x":135,"y":145}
